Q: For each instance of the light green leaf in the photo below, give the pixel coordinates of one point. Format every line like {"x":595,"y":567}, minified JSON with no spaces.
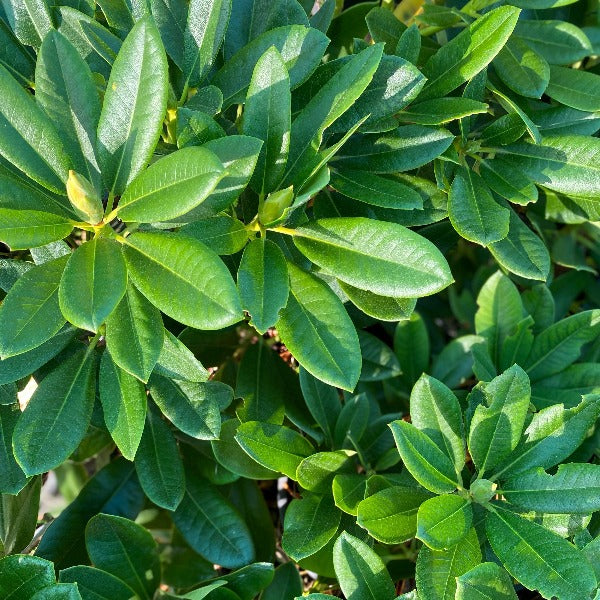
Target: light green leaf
{"x":168,"y":267}
{"x":124,"y":406}
{"x":300,"y":47}
{"x":435,"y":410}
{"x":497,"y":423}
{"x":29,"y":314}
{"x":223,"y":234}
{"x":158,"y":464}
{"x":443,"y":521}
{"x":274,"y":446}
{"x":203,"y":36}
{"x":438,"y":570}
{"x":403,"y":149}
{"x":135,"y":334}
{"x":379,"y":307}
{"x":177,"y":361}
{"x":538,"y":558}
{"x":486,"y":581}
{"x":29,"y":19}
{"x":473,"y":211}
{"x":212,"y":526}
{"x":349,"y":491}
{"x":309,"y":524}
{"x":442,"y":110}
{"x":553,"y":435}
{"x":172,"y":186}
{"x":57,"y":416}
{"x":560,"y":344}
{"x":24,"y":229}
{"x":65,"y":89}
{"x":390,"y":515}
{"x":508,"y":181}
{"x":423,"y":459}
{"x":263,"y":282}
{"x":126,"y":550}
{"x":267,"y":116}
{"x":574,"y":88}
{"x":192,"y":407}
{"x":316,"y":472}
{"x":469,"y":52}
{"x":572,"y":489}
{"x":522,"y":252}
{"x":319,"y":333}
{"x":93,"y":283}
{"x":134,"y":107}
{"x":400,"y":264}
{"x":522,"y":69}
{"x":360,"y":571}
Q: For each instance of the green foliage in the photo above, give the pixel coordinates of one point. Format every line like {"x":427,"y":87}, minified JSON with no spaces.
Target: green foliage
{"x":299,"y":300}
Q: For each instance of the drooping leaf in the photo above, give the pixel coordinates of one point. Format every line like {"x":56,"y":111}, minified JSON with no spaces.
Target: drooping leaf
{"x":12,"y":478}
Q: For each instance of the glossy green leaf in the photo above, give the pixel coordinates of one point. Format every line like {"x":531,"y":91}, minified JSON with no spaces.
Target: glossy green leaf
{"x":300,"y":47}
{"x":412,"y":347}
{"x":486,"y":580}
{"x":28,"y":139}
{"x":379,"y":307}
{"x":93,"y":283}
{"x":473,"y":211}
{"x":553,"y":435}
{"x":23,"y":229}
{"x":438,"y":570}
{"x":375,"y":189}
{"x":167,"y":267}
{"x":60,"y":591}
{"x":508,"y":181}
{"x":402,"y":149}
{"x":560,"y":344}
{"x":21,"y":576}
{"x":57,"y":416}
{"x":310,"y":522}
{"x":574,"y":88}
{"x":223,"y":234}
{"x":203,"y":36}
{"x":497,"y":422}
{"x":274,"y":446}
{"x":390,"y":515}
{"x":330,"y":353}
{"x":544,"y":561}
{"x":126,"y":550}
{"x":423,"y":459}
{"x":263,"y":282}
{"x":96,"y":584}
{"x":349,"y":491}
{"x":469,"y":52}
{"x":212,"y":526}
{"x":435,"y":410}
{"x":134,"y":334}
{"x":267,"y":116}
{"x":573,"y":489}
{"x":399,"y":264}
{"x":29,"y":314}
{"x":444,"y":520}
{"x":64,"y":88}
{"x":191,"y":407}
{"x":171,"y":187}
{"x":384,"y":27}
{"x":316,"y":472}
{"x":360,"y":571}
{"x":134,"y":107}
{"x":176,"y":361}
{"x":170,"y":17}
{"x":442,"y":110}
{"x":123,"y":400}
{"x":522,"y":69}
{"x":158,"y":464}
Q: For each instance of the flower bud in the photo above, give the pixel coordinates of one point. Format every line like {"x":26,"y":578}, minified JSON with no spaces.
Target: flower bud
{"x":84,"y":198}
{"x":482,"y":490}
{"x":274,"y":206}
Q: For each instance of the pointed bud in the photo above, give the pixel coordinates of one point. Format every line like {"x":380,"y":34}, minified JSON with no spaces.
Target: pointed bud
{"x":274,"y":206}
{"x":84,"y":198}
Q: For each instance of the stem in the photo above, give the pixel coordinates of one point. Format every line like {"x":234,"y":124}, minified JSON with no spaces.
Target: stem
{"x":284,"y":230}
{"x":109,"y":206}
{"x":93,"y":342}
